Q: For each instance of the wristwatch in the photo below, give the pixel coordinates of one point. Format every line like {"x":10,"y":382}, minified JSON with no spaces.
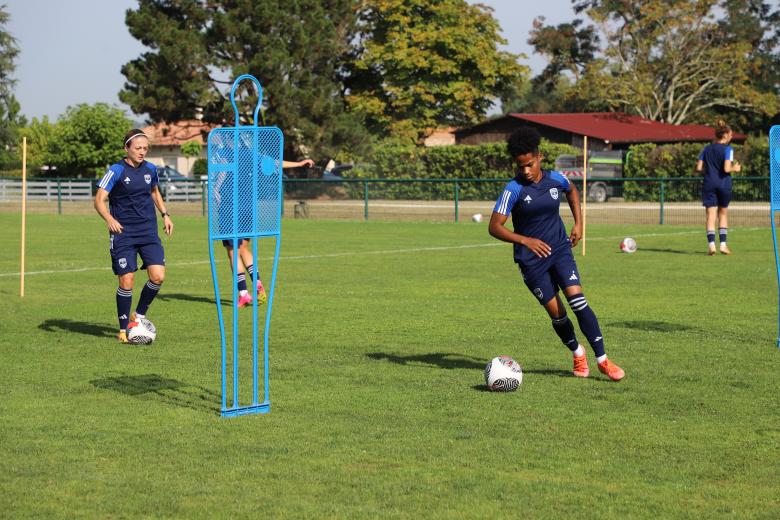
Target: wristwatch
{"x":165,"y":214}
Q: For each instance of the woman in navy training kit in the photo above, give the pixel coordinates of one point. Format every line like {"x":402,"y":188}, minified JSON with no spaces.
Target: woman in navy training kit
{"x":542,"y":249}
{"x":717,"y":162}
{"x":130,"y":187}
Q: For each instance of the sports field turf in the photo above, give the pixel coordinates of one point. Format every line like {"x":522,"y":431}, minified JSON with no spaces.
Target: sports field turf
{"x":379,"y":337}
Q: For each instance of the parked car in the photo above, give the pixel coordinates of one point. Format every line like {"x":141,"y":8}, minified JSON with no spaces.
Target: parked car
{"x":606,"y":164}
{"x":170,"y":179}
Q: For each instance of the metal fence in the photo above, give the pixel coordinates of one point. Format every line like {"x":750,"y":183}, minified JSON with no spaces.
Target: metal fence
{"x":628,"y":201}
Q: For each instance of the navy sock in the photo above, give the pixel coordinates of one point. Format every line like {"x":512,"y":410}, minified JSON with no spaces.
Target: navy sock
{"x":589,"y":325}
{"x":241,"y":282}
{"x":250,"y":271}
{"x":723,"y":232}
{"x":124,"y":299}
{"x":148,"y":293}
{"x":565,"y":330}
{"x":711,"y":237}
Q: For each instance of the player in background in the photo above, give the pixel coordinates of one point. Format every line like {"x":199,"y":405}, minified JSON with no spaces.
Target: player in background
{"x":542,"y":249}
{"x":131,"y":188}
{"x":246,"y":266}
{"x":717,"y":162}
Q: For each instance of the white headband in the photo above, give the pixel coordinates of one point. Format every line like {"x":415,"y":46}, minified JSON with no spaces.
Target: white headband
{"x":134,"y":136}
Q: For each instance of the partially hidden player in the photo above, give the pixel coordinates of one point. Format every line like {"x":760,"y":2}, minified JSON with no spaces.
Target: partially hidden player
{"x":246,"y":265}
{"x":717,"y":162}
{"x":131,"y":189}
{"x":542,"y":249}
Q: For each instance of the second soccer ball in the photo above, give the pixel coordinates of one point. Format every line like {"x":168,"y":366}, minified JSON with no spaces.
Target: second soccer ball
{"x":628,"y":245}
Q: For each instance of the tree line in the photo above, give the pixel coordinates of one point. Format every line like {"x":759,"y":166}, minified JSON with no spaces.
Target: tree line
{"x":343,"y":76}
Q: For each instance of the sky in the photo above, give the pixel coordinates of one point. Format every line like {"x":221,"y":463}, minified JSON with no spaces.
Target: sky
{"x":72,"y":50}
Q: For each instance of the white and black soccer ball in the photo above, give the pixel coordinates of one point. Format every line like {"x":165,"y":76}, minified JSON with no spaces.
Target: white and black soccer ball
{"x":142,"y":333}
{"x":628,"y":245}
{"x":477,"y":217}
{"x":503,"y":374}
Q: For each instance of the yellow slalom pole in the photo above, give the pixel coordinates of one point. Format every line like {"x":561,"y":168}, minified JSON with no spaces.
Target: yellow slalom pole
{"x":584,"y":188}
{"x":24,"y":210}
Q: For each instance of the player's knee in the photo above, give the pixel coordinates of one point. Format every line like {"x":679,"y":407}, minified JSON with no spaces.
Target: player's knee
{"x":157,"y":278}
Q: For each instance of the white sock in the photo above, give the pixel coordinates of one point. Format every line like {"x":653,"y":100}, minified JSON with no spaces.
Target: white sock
{"x":601,"y":359}
{"x":243,"y":293}
{"x":140,"y":316}
{"x":579,"y":352}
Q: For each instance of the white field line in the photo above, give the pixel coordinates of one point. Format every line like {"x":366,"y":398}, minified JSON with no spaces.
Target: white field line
{"x":364,"y":253}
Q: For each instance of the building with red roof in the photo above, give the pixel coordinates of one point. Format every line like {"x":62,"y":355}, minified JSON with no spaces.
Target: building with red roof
{"x":605,"y":130}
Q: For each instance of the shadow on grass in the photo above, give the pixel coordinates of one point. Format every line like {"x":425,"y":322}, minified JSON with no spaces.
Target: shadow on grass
{"x":446,"y":360}
{"x":187,"y":298}
{"x":163,"y":389}
{"x":79,"y":327}
{"x":674,"y":251}
{"x":652,"y":326}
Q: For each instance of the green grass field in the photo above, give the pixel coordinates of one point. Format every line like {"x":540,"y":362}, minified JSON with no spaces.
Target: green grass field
{"x":379,"y":337}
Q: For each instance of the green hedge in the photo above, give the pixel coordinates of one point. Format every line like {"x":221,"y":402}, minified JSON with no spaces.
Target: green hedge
{"x":679,"y":161}
{"x":486,"y":161}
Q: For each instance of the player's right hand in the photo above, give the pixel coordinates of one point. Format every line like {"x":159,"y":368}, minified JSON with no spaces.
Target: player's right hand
{"x":114,"y":226}
{"x":540,"y":249}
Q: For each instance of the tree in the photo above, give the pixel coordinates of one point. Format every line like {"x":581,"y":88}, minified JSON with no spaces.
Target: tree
{"x":39,"y":135}
{"x":87,"y":139}
{"x":567,"y":48}
{"x":190,"y":149}
{"x":10,"y":114}
{"x":294,"y":47}
{"x":668,"y":61}
{"x":421,"y":64}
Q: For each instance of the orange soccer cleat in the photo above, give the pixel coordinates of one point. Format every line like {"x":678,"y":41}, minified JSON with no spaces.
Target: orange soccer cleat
{"x":613,"y":371}
{"x":581,"y":366}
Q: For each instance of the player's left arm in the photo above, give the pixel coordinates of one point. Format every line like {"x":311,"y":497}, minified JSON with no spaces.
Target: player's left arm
{"x":160,"y":204}
{"x":573,"y":198}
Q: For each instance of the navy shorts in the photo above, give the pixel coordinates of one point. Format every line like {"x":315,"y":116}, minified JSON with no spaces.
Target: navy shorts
{"x":556,"y":272}
{"x":229,"y":243}
{"x":125,"y":250}
{"x":717,"y":195}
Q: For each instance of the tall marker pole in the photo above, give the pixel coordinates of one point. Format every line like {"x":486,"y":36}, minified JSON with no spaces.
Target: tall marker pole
{"x":24,"y":212}
{"x":774,"y":179}
{"x":584,"y":188}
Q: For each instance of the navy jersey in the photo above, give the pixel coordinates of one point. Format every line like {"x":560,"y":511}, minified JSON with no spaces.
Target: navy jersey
{"x":535,"y":213}
{"x":713,"y":155}
{"x":129,"y":196}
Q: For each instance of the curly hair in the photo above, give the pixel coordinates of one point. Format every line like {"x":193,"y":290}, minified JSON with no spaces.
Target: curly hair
{"x":523,"y":140}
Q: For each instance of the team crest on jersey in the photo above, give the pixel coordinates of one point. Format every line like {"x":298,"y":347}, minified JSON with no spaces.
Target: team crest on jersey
{"x":554,"y":193}
{"x":527,"y":199}
{"x":123,"y":262}
{"x":148,"y":179}
{"x":126,"y":180}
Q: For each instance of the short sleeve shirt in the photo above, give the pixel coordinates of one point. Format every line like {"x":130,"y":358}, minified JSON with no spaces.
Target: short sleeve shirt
{"x":129,"y":196}
{"x":713,"y":156}
{"x":535,"y":213}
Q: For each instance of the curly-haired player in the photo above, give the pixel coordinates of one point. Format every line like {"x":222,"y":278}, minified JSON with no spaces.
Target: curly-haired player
{"x":542,"y":248}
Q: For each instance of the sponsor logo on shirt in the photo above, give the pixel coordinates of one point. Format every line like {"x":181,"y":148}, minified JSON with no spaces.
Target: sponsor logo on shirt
{"x":554,"y":193}
{"x":126,"y":180}
{"x":527,"y":199}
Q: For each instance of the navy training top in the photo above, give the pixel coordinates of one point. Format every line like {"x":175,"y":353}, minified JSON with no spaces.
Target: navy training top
{"x":130,"y":196}
{"x":535,"y":213}
{"x":713,"y":156}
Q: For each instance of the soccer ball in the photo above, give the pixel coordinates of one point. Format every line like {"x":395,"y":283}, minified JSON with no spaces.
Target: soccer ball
{"x":628,"y":245}
{"x":476,"y":217}
{"x":503,"y":374}
{"x":142,"y":333}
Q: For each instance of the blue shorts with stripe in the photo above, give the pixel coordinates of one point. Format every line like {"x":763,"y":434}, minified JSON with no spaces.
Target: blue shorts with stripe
{"x":556,"y":272}
{"x":125,"y":250}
